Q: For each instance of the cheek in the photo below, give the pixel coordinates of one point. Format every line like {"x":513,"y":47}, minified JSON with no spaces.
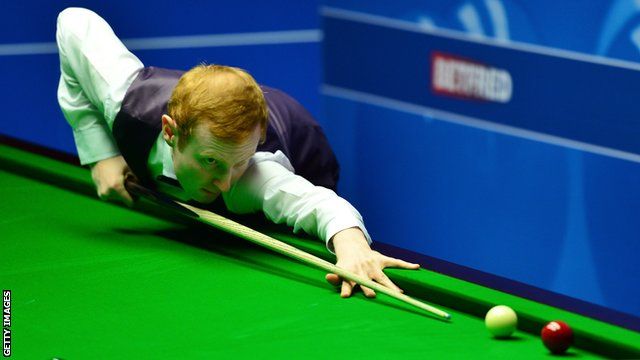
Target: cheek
{"x":178,"y":160}
{"x":179,"y":165}
{"x":187,"y":169}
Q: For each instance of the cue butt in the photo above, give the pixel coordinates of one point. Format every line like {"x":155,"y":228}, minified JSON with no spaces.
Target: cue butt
{"x":139,"y":190}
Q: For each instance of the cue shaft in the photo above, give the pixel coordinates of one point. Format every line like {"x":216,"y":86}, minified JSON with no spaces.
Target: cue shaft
{"x":269,"y":242}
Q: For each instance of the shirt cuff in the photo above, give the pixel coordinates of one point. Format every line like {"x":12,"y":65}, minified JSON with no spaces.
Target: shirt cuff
{"x":94,"y":144}
{"x":342,"y":223}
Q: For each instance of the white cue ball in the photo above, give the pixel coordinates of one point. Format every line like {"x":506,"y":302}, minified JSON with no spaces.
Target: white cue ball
{"x":501,"y":321}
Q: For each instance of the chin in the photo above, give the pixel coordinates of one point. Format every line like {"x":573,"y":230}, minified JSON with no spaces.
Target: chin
{"x":205,"y":197}
{"x":208,"y":201}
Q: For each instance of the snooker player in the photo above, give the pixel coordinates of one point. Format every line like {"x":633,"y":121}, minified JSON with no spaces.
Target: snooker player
{"x":206,"y":133}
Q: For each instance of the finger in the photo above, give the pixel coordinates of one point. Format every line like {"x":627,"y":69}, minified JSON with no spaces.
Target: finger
{"x":384,"y":280}
{"x":118,"y":194}
{"x":130,"y":177}
{"x":333,"y":279}
{"x":368,"y":292}
{"x":103,"y":193}
{"x":125,"y":197}
{"x":392,"y":262}
{"x":347,"y":289}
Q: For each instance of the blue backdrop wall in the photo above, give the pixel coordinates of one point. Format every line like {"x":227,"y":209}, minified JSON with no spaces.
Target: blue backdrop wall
{"x":499,"y":135}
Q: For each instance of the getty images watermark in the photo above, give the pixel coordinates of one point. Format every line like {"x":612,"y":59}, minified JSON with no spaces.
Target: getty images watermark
{"x":6,"y":323}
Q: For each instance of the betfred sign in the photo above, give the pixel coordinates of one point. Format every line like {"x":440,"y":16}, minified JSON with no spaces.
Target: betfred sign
{"x":463,"y":78}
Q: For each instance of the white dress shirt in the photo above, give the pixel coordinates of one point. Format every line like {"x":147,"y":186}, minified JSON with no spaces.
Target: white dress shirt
{"x":96,"y":71}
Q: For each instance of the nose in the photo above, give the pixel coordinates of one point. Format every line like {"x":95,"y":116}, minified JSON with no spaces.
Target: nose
{"x":223,"y":183}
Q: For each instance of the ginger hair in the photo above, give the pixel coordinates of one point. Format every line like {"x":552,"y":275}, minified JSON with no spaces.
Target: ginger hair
{"x":227,"y":99}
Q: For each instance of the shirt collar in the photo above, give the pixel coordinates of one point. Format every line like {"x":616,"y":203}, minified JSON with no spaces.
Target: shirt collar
{"x":167,"y":161}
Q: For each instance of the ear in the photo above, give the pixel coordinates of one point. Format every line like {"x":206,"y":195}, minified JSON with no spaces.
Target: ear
{"x":169,"y":130}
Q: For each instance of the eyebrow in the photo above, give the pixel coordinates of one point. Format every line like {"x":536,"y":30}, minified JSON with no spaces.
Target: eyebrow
{"x":210,"y":153}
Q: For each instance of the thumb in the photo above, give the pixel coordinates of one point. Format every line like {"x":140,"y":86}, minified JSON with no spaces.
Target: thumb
{"x":333,"y":279}
{"x":125,"y":197}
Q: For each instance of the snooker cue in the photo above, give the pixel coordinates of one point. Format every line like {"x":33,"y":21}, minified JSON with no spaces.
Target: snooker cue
{"x":256,"y":237}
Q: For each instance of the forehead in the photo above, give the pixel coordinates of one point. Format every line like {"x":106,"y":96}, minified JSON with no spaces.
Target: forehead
{"x":203,"y":142}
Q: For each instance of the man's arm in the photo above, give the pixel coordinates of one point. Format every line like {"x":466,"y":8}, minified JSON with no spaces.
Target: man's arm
{"x":269,"y":185}
{"x":93,"y":139}
{"x":287,"y":198}
{"x":88,"y":92}
{"x":90,"y":130}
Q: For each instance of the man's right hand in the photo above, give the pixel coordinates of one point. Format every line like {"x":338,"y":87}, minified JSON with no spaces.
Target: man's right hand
{"x":109,"y":175}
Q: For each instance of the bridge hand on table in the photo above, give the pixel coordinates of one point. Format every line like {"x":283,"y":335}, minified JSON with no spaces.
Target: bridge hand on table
{"x":354,"y":254}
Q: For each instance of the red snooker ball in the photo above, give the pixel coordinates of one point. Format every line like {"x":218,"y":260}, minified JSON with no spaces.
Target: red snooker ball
{"x":557,"y":336}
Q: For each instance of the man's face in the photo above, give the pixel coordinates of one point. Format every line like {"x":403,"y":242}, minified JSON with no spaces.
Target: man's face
{"x":207,"y":166}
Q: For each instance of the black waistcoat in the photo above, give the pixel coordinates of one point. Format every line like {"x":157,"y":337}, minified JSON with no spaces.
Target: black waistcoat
{"x":291,"y":129}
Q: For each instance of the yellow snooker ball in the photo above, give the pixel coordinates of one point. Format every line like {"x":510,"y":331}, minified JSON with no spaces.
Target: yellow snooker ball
{"x":501,"y":321}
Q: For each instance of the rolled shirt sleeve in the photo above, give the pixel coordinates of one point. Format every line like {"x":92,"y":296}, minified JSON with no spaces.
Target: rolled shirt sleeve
{"x":269,"y":185}
{"x":96,"y":70}
{"x":91,"y":133}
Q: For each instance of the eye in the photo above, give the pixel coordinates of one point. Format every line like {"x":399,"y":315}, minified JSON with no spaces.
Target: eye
{"x":210,"y":161}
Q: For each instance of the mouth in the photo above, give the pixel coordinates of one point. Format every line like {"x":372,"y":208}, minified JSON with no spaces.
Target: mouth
{"x":207,"y":192}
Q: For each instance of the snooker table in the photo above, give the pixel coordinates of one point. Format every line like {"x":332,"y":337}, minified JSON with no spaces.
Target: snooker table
{"x":94,"y":280}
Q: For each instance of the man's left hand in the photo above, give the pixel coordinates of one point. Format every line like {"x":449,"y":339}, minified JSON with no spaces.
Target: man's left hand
{"x":354,"y":254}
